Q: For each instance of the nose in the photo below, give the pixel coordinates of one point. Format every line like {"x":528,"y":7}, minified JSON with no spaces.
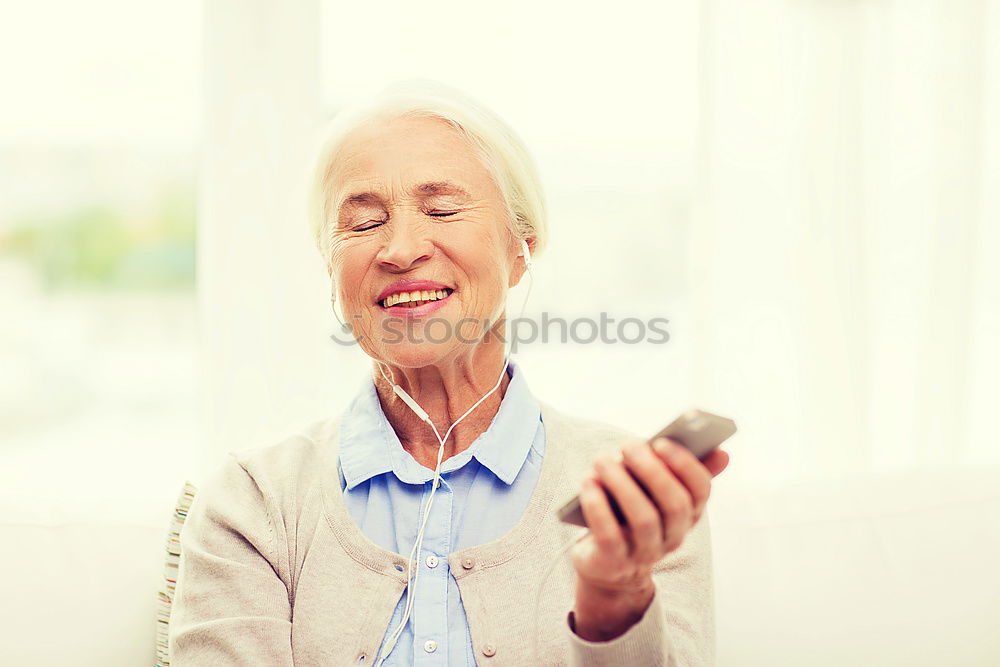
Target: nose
{"x":408,"y":244}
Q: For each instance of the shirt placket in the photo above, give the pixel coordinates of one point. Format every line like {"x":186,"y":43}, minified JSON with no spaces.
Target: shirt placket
{"x":430,"y":622}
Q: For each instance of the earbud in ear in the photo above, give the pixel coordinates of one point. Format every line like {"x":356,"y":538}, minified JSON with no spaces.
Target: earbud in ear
{"x":526,"y":253}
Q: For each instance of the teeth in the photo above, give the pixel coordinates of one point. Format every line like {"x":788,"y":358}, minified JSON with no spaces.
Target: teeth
{"x":416,"y":297}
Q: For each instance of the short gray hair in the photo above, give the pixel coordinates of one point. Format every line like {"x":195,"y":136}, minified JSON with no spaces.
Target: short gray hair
{"x":503,"y":153}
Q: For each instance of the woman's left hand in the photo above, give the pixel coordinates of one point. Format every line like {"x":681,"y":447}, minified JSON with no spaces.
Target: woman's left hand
{"x":614,"y":563}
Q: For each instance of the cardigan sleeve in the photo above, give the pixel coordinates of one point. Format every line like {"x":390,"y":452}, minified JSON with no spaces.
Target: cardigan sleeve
{"x":678,"y":627}
{"x":230,"y":606}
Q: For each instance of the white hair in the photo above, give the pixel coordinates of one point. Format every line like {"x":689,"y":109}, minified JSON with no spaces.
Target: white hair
{"x":502,"y":152}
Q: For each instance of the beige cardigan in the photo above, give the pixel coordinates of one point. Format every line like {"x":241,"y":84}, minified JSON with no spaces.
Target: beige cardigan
{"x":274,"y":571}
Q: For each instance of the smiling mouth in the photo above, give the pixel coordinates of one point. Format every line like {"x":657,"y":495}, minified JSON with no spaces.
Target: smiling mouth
{"x":415,"y":298}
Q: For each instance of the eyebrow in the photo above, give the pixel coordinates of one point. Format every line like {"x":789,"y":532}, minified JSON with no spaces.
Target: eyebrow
{"x":423,"y":191}
{"x":440,"y":188}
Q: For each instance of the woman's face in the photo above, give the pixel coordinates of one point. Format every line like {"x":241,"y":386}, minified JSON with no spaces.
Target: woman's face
{"x":420,"y":250}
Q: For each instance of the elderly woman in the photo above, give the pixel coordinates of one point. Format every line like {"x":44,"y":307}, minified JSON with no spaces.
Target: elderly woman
{"x":419,"y":526}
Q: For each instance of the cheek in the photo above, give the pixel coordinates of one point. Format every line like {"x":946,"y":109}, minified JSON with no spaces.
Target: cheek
{"x":481,"y":255}
{"x":350,"y":263}
{"x":489,"y":280}
{"x":477,"y":248}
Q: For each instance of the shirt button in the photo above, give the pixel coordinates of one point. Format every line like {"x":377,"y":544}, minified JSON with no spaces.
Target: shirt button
{"x":430,"y":645}
{"x":437,"y":485}
{"x":468,"y":563}
{"x":432,"y":561}
{"x":489,"y":650}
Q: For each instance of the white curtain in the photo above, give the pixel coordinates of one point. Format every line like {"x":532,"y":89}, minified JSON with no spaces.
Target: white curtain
{"x":845,"y":242}
{"x":806,"y":189}
{"x":259,"y":293}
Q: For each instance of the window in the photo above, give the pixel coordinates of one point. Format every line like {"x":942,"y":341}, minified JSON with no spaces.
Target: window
{"x":98,"y":148}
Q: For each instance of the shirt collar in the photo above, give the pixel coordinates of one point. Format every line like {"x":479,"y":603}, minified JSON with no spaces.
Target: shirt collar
{"x":370,"y":447}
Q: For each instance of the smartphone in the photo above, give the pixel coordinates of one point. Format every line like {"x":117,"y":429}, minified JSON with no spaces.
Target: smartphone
{"x":697,"y":431}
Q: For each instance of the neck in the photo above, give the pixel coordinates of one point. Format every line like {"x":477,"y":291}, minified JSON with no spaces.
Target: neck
{"x":445,"y":392}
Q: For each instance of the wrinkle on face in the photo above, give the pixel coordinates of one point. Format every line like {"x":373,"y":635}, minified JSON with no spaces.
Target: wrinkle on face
{"x":388,"y":180}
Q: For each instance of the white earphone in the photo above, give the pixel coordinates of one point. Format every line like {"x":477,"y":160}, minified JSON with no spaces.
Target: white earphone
{"x":526,"y":253}
{"x":422,"y":414}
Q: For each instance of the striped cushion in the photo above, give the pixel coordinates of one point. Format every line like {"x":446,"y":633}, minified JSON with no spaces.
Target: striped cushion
{"x":166,"y":593}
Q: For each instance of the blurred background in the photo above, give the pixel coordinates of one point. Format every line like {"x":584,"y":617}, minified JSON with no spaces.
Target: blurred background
{"x":807,"y":190}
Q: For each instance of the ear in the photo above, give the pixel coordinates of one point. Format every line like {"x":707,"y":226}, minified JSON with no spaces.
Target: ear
{"x":532,"y":245}
{"x":521,"y":262}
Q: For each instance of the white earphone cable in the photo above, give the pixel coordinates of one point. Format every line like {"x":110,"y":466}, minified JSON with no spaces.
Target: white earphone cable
{"x":418,"y":542}
{"x":538,"y":594}
{"x":411,"y":575}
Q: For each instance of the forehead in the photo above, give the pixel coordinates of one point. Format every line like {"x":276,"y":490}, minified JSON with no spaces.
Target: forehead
{"x":386,"y":155}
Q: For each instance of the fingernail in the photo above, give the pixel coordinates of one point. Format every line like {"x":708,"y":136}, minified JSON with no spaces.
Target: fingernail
{"x":661,"y":445}
{"x":669,"y":448}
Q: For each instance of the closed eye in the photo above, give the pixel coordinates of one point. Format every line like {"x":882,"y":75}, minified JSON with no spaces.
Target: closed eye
{"x":371,"y":224}
{"x":441,"y":214}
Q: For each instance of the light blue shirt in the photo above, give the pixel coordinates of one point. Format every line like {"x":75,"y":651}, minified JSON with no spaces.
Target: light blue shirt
{"x":483,"y":493}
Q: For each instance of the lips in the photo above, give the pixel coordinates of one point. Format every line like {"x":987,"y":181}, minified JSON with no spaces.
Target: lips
{"x":414,"y":298}
{"x":413,"y":289}
{"x":419,"y":308}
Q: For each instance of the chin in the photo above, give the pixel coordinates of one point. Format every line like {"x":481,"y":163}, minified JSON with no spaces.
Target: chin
{"x":416,"y":355}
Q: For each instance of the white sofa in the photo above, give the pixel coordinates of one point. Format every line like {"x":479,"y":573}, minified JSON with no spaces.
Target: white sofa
{"x":892,"y":569}
{"x":881,"y":570}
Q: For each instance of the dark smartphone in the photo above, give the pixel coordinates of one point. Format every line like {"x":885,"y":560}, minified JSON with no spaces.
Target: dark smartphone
{"x":698,"y":431}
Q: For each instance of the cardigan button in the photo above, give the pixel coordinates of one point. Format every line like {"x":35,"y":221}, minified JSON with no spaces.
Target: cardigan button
{"x":489,"y":650}
{"x":468,"y":563}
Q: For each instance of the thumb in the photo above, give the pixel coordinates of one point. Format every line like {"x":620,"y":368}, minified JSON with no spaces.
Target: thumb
{"x":717,"y":461}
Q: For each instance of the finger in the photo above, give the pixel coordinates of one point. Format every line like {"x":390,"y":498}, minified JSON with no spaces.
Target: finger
{"x":601,"y":521}
{"x":689,"y":470}
{"x":659,"y":482}
{"x":676,"y":507}
{"x":645,"y":526}
{"x":716,"y":461}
